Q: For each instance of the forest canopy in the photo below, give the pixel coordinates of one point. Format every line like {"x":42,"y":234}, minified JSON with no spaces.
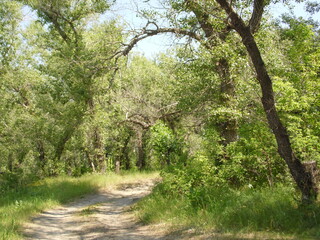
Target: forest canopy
{"x":237,"y":104}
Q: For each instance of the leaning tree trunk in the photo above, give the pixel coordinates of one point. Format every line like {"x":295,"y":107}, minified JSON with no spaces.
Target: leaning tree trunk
{"x":302,"y":177}
{"x":60,"y":146}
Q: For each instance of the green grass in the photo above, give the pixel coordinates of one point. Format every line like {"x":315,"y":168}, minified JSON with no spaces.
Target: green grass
{"x":19,"y":205}
{"x":267,"y":212}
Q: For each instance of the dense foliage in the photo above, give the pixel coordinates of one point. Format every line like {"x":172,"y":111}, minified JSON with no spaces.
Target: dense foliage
{"x":73,"y":101}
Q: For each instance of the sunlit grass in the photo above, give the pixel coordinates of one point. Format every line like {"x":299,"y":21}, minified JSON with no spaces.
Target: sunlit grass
{"x":256,"y":212}
{"x":17,"y":206}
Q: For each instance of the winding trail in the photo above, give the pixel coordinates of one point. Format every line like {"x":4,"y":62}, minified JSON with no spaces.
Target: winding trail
{"x":99,"y":216}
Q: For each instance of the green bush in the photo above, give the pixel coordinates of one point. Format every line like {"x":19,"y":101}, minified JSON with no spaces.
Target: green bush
{"x":252,"y":159}
{"x":164,"y":144}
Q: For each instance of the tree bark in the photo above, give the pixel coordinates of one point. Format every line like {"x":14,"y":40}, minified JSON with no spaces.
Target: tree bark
{"x":302,"y":177}
{"x":62,"y":143}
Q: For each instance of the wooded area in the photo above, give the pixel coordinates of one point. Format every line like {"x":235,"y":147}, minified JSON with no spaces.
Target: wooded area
{"x":236,"y":105}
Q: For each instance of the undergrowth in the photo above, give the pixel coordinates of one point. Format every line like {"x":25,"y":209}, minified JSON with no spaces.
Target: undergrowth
{"x":19,"y":204}
{"x":247,"y":210}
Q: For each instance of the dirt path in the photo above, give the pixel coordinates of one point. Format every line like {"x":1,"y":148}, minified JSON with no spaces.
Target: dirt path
{"x":105,"y":215}
{"x":99,"y":216}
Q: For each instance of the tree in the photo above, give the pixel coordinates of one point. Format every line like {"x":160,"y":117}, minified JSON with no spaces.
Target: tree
{"x":302,"y":177}
{"x":216,"y":34}
{"x":300,"y":84}
{"x":144,"y":99}
{"x":189,"y":19}
{"x":14,"y":103}
{"x":165,"y":145}
{"x":208,"y":14}
{"x":76,"y":59}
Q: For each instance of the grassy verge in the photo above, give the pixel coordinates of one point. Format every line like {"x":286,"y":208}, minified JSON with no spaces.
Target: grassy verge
{"x":17,"y":206}
{"x":268,"y":213}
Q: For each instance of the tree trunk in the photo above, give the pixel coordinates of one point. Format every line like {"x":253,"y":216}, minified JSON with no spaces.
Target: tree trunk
{"x":60,"y":146}
{"x":117,"y":166}
{"x":62,"y":143}
{"x":228,"y":129}
{"x":168,"y":160}
{"x":98,"y":151}
{"x":302,"y":177}
{"x":141,"y":161}
{"x":125,"y":154}
{"x":10,"y":162}
{"x":91,"y":163}
{"x":41,"y":157}
{"x":98,"y":157}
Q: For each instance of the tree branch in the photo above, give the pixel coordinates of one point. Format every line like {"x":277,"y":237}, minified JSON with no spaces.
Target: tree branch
{"x":236,"y":20}
{"x":202,"y":17}
{"x":258,"y":7}
{"x":152,"y":32}
{"x":53,"y":17}
{"x":175,"y":114}
{"x":142,"y":124}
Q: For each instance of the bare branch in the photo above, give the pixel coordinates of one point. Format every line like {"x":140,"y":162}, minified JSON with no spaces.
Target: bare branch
{"x":139,"y":119}
{"x":168,"y":106}
{"x":152,"y":32}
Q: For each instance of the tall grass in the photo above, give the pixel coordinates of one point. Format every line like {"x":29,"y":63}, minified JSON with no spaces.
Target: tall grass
{"x":262,"y":211}
{"x":17,"y":206}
